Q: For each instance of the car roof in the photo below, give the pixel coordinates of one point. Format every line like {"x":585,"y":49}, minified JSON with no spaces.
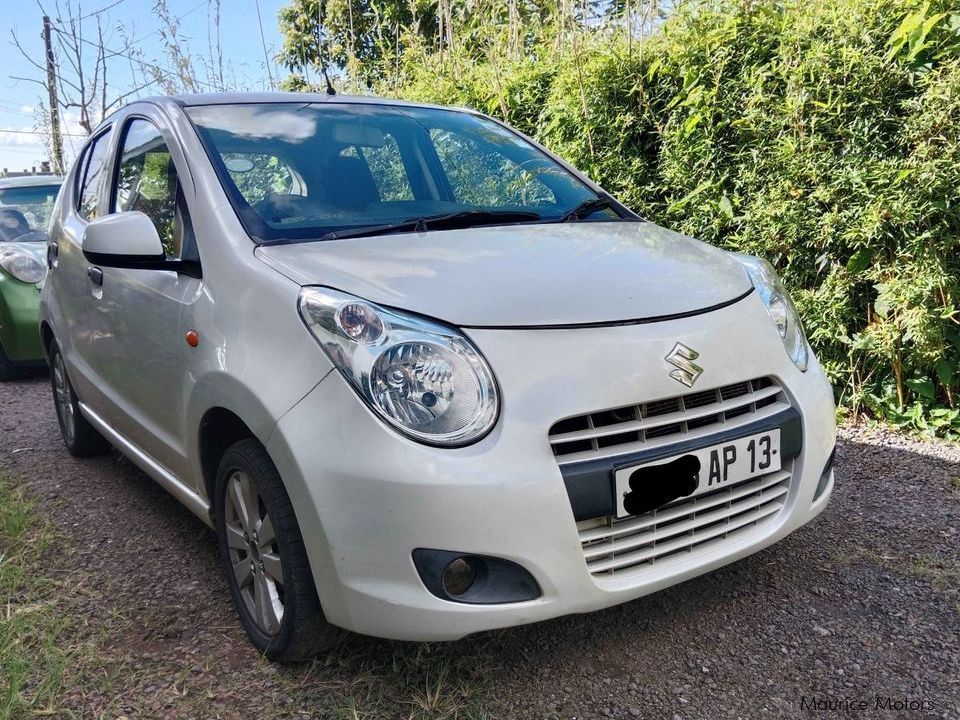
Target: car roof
{"x":238,"y":98}
{"x":30,"y":181}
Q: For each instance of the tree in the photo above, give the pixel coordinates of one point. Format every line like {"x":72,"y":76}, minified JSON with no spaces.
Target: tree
{"x":368,"y":42}
{"x":359,"y":37}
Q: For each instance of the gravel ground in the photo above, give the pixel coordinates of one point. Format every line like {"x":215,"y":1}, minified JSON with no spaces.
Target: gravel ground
{"x":861,"y":604}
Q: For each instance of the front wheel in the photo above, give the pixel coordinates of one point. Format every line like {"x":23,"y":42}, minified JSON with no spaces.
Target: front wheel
{"x":265,"y":559}
{"x":80,"y":437}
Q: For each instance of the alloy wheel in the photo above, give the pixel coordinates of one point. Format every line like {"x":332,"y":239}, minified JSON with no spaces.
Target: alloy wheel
{"x":254,"y":555}
{"x":63,"y":397}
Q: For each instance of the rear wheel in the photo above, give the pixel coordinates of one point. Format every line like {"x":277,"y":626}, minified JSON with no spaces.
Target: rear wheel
{"x":265,"y":559}
{"x":80,"y":437}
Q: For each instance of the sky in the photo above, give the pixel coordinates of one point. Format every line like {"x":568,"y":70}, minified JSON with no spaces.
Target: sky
{"x":21,"y":148}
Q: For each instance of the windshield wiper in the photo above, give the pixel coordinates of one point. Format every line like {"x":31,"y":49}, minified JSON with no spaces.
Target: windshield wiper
{"x":586,"y":208}
{"x":450,"y":221}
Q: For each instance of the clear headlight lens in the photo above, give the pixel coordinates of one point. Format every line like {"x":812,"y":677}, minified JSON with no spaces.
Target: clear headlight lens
{"x":780,"y":307}
{"x":425,"y":379}
{"x":22,"y":265}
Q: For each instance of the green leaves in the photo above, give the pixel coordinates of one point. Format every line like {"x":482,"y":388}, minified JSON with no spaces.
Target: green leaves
{"x":923,"y":387}
{"x":910,"y":39}
{"x":860,"y":261}
{"x":726,"y":207}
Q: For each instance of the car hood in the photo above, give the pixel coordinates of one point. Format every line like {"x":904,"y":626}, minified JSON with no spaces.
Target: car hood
{"x":524,"y":275}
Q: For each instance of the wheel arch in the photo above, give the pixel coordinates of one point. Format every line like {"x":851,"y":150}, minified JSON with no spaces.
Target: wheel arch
{"x":222,"y":410}
{"x":46,"y":338}
{"x":219,"y":428}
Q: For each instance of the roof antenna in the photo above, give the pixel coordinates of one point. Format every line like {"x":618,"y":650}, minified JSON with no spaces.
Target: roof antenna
{"x":330,"y":88}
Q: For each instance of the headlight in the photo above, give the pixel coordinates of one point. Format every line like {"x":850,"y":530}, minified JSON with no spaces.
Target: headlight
{"x":425,"y":379}
{"x":780,"y":307}
{"x":22,"y":265}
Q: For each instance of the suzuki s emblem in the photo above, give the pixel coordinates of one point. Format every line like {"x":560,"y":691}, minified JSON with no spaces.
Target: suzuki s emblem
{"x":687,"y":371}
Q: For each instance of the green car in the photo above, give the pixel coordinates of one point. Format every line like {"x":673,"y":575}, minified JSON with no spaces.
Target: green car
{"x":25,"y":206}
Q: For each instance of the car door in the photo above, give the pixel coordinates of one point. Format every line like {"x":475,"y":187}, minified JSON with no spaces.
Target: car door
{"x":67,"y":280}
{"x":136,"y":346}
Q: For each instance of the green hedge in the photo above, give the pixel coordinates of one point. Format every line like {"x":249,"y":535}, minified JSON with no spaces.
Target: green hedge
{"x":823,"y":135}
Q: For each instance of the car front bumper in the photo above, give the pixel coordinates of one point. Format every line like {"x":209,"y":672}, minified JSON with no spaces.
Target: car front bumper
{"x":19,"y":321}
{"x":367,"y":497}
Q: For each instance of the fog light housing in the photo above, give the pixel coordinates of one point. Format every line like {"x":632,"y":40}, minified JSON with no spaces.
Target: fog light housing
{"x":825,"y":475}
{"x":458,"y":576}
{"x":474,"y":579}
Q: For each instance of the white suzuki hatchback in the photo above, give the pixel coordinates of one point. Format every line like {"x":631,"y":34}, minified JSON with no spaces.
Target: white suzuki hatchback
{"x":423,"y":377}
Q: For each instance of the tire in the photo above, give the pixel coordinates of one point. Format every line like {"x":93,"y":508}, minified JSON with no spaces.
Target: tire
{"x":80,"y":437}
{"x":268,"y":572}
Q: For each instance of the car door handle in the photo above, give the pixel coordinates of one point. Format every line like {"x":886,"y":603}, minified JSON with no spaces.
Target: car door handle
{"x":53,"y":252}
{"x":95,"y":274}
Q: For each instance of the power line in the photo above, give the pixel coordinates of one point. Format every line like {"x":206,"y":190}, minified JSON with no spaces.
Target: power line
{"x":100,"y":11}
{"x":37,"y":132}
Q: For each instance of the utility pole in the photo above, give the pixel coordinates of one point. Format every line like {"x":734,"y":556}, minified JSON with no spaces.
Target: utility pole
{"x":56,"y":138}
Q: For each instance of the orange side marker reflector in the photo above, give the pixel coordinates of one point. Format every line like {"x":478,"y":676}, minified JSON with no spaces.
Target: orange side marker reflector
{"x":192,"y":338}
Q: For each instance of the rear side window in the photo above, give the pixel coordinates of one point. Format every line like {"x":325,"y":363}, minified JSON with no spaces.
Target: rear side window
{"x":147,"y":181}
{"x":94,"y":162}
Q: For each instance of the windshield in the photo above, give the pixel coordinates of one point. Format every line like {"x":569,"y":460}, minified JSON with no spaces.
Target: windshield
{"x":25,"y":212}
{"x":298,"y":171}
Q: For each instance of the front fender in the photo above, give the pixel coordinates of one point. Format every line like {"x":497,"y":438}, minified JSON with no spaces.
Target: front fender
{"x":221,"y":390}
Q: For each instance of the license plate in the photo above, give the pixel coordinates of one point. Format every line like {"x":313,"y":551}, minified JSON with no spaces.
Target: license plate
{"x":720,"y":465}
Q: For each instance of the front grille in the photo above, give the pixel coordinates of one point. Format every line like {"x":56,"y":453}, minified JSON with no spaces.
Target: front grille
{"x":607,"y":433}
{"x":669,"y":533}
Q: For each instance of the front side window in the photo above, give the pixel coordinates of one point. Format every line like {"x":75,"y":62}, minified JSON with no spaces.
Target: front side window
{"x":344,"y":166}
{"x":94,"y":162}
{"x":25,"y":212}
{"x":147,"y":181}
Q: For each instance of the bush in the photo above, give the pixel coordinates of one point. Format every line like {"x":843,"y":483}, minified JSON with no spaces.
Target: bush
{"x":823,"y":135}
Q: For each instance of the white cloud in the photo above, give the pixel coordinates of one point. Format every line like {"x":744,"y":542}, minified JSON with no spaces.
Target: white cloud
{"x":23,"y":135}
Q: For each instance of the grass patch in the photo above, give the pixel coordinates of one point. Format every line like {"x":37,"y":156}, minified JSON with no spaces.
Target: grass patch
{"x":930,"y":567}
{"x":45,"y":652}
{"x":33,"y":664}
{"x":935,"y":570}
{"x":377,"y":679}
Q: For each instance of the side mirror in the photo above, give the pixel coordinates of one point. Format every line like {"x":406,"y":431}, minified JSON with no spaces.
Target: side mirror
{"x":127,"y":239}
